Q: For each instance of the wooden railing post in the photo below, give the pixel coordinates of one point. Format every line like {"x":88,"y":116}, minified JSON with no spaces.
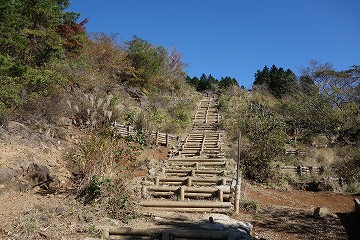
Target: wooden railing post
{"x":182,"y":193}
{"x":167,"y":140}
{"x":238,"y":179}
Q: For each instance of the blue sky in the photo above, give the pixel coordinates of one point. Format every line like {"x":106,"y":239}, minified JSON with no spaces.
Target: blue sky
{"x":236,"y":37}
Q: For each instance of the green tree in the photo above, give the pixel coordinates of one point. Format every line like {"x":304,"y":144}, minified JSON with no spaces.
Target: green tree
{"x":226,"y":82}
{"x":327,"y":103}
{"x":29,"y":44}
{"x":146,"y":59}
{"x":277,"y":80}
{"x":340,"y":89}
{"x":29,"y":31}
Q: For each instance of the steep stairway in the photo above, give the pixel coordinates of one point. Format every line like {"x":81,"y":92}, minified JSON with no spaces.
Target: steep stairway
{"x":197,"y":178}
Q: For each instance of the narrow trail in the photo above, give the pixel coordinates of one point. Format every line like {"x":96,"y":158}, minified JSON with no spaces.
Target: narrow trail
{"x":197,"y":178}
{"x":194,"y":185}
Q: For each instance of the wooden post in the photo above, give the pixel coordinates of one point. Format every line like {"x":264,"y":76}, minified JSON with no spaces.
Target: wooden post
{"x":221,"y":195}
{"x":167,"y":140}
{"x":189,"y":182}
{"x":157,"y":181}
{"x":202,"y":145}
{"x":106,"y":234}
{"x":238,"y":179}
{"x":182,"y":193}
{"x":144,"y":191}
{"x":157,"y":138}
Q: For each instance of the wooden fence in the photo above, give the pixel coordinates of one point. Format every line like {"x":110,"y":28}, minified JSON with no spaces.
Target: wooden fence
{"x":154,"y":137}
{"x":303,"y":169}
{"x":295,"y":152}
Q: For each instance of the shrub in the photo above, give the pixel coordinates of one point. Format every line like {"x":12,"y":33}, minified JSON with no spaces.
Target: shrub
{"x":250,"y":205}
{"x":349,"y":169}
{"x":106,"y":160}
{"x":264,"y":133}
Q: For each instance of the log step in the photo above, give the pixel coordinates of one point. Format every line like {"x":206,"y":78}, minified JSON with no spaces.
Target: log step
{"x":190,"y":205}
{"x":191,"y":181}
{"x":197,"y":159}
{"x":225,"y":189}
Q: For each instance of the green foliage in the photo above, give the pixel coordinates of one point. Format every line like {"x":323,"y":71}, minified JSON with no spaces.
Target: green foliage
{"x":28,"y":32}
{"x":227,"y":82}
{"x":29,"y":44}
{"x":250,"y":205}
{"x":94,"y":189}
{"x":146,"y":59}
{"x":120,"y":206}
{"x":277,"y":80}
{"x":209,"y":83}
{"x":130,"y":118}
{"x":313,"y":116}
{"x":349,"y":170}
{"x":264,"y":133}
{"x":329,"y":104}
{"x":182,"y":115}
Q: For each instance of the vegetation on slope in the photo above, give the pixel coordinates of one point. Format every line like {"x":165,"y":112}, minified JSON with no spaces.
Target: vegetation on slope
{"x":319,"y":108}
{"x":53,"y":74}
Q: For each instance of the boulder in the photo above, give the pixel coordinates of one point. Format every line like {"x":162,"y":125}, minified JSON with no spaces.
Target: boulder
{"x":322,"y":212}
{"x":38,"y":174}
{"x":138,"y":95}
{"x":18,"y":128}
{"x":220,"y":222}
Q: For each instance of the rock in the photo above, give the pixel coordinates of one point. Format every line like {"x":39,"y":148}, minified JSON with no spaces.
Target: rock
{"x":6,"y":176}
{"x":44,"y":218}
{"x":322,"y":212}
{"x":222,"y":222}
{"x":38,"y":174}
{"x":18,"y":128}
{"x":138,"y":95}
{"x":23,"y":186}
{"x":3,"y":133}
{"x":65,"y":122}
{"x":59,"y":210}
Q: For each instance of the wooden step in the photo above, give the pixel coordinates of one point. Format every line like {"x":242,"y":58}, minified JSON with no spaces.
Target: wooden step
{"x":189,"y":205}
{"x":193,"y":172}
{"x":197,"y":165}
{"x":198,"y":159}
{"x":190,"y":181}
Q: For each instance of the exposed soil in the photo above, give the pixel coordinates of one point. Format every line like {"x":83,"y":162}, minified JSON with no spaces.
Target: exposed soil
{"x":289,"y":214}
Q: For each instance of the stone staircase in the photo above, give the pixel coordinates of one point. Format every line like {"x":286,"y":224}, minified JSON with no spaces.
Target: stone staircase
{"x":197,"y":178}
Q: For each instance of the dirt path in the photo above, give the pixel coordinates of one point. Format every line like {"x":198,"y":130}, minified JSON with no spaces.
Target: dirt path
{"x":288,"y":214}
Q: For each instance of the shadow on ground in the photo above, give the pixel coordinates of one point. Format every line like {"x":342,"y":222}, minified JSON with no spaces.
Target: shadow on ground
{"x":351,"y":223}
{"x":301,"y":224}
